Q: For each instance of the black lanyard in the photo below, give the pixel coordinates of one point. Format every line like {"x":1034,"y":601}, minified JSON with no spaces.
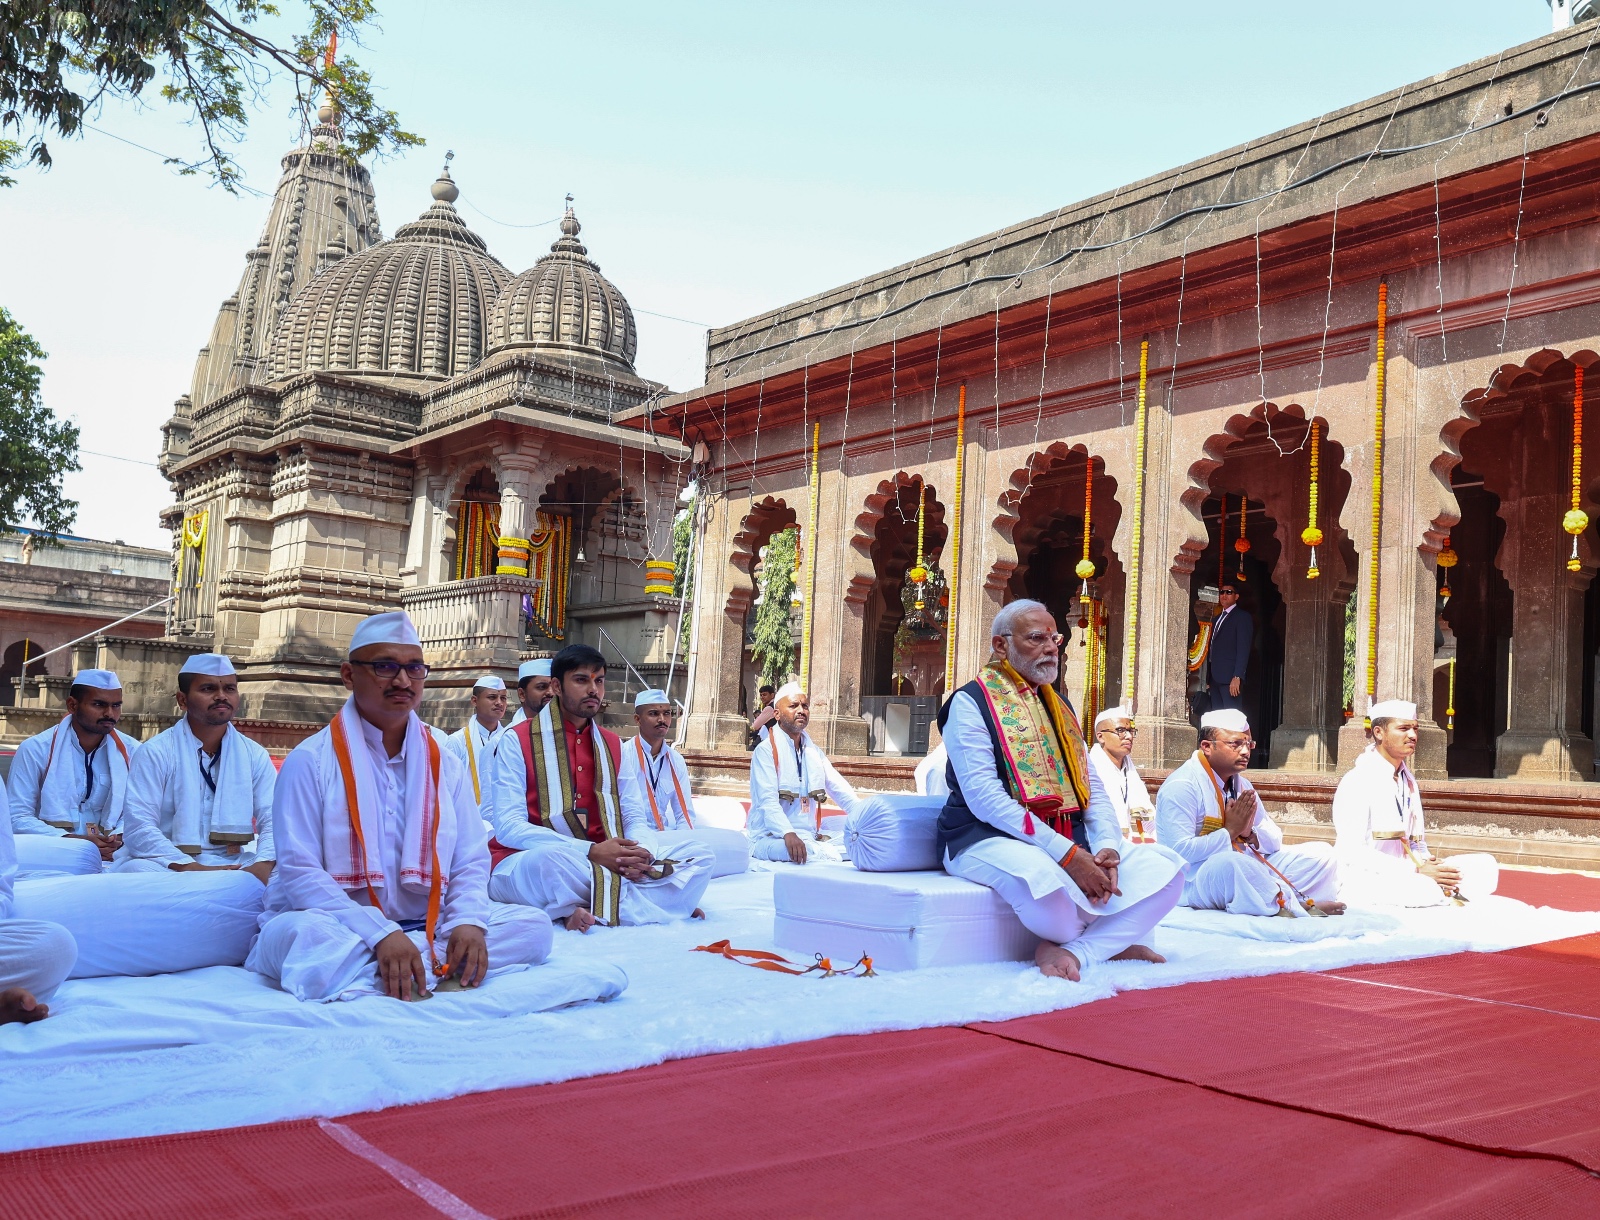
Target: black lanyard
{"x":88,"y":775}
{"x":209,"y":774}
{"x":655,"y":767}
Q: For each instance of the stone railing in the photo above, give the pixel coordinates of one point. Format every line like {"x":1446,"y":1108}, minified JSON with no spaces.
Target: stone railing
{"x":470,"y":624}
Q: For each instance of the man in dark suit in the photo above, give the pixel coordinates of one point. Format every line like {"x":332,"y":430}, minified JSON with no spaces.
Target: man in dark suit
{"x":1232,"y":634}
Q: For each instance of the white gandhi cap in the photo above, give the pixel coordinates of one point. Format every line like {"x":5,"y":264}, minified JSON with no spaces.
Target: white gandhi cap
{"x":1113,"y":714}
{"x":788,"y":691}
{"x":649,"y":698}
{"x":1392,"y":709}
{"x":1228,"y":719}
{"x":212,"y":664}
{"x":489,"y":682}
{"x":99,"y":679}
{"x":539,"y":668}
{"x":391,"y":627}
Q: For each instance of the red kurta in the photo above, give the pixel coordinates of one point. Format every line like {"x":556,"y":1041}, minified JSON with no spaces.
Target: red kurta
{"x":580,"y":755}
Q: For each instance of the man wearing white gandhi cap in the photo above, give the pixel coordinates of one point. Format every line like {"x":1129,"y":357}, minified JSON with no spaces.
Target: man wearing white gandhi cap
{"x":1111,"y":757}
{"x":1377,"y":819}
{"x":790,"y":779}
{"x":535,"y":687}
{"x":200,"y":793}
{"x":382,"y":881}
{"x":654,"y":784}
{"x":68,"y":784}
{"x":478,"y":739}
{"x":1208,"y":812}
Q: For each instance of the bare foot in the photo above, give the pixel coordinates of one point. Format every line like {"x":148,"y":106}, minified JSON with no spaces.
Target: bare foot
{"x":1332,"y":908}
{"x":697,"y":913}
{"x":19,"y":1005}
{"x":580,"y":921}
{"x":1138,"y":953}
{"x":1054,"y":962}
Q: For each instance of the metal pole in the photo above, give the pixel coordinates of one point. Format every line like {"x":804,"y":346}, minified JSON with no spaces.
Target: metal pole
{"x":98,"y":631}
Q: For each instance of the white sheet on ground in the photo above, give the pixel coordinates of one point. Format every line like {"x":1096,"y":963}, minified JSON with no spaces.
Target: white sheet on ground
{"x":145,"y":1056}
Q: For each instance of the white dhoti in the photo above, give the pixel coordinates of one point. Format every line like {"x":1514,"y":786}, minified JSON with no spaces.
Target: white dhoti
{"x":138,"y":864}
{"x":1380,"y":880}
{"x":313,"y":956}
{"x":770,"y":847}
{"x":135,"y":924}
{"x":49,"y":856}
{"x":1051,"y":906}
{"x":1238,"y":882}
{"x":558,"y":880}
{"x":35,"y":955}
{"x":730,"y":849}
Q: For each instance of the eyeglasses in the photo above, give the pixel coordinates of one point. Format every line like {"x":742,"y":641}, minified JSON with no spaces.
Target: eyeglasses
{"x":1245,"y":745}
{"x":384,"y":671}
{"x":1129,"y":733}
{"x":1037,"y":639}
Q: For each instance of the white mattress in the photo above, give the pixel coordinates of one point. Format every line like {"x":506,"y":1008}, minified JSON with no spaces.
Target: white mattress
{"x":904,"y":921}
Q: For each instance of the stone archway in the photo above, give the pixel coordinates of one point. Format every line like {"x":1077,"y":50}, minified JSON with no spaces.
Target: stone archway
{"x":1514,"y":442}
{"x":766,"y":519}
{"x":886,"y":532}
{"x":1042,"y":514}
{"x":1261,"y":462}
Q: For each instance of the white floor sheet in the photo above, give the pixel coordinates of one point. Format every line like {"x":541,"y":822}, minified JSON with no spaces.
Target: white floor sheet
{"x":218,"y":1047}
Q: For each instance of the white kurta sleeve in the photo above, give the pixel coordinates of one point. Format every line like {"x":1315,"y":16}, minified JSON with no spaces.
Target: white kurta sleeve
{"x":305,"y":885}
{"x":837,"y":786}
{"x":23,"y":785}
{"x":1100,"y":819}
{"x":966,"y":739}
{"x":767,"y":819}
{"x":511,"y":825}
{"x":150,"y":791}
{"x":630,"y":787}
{"x":1178,"y":822}
{"x":8,"y":865}
{"x":1268,"y":834}
{"x":263,"y":783}
{"x":466,"y":899}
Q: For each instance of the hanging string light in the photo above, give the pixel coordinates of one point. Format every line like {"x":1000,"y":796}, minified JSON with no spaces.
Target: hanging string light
{"x":1241,"y":544}
{"x":1576,"y":520}
{"x":1377,"y":502}
{"x":1130,"y":689}
{"x":1311,"y":535}
{"x":953,"y":545}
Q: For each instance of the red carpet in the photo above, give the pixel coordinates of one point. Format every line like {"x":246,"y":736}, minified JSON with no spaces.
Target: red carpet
{"x":1568,"y":891}
{"x":1452,"y":1087}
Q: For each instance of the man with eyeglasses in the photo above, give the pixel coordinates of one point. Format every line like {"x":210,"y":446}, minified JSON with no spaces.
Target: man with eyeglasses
{"x":382,"y":881}
{"x":1029,"y":817}
{"x":1112,"y":759}
{"x":1208,"y":812}
{"x":1228,"y":655}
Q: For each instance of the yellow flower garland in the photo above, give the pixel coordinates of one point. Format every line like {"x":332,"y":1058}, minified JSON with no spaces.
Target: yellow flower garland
{"x":1130,"y":693}
{"x":953,"y":545}
{"x":1576,"y":520}
{"x":1377,"y":502}
{"x":1312,"y":535}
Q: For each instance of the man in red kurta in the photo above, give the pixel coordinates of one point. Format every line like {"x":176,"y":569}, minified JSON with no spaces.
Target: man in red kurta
{"x":563,"y":840}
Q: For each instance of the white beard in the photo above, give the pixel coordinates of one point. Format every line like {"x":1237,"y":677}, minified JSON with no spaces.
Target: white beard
{"x":1042,"y":672}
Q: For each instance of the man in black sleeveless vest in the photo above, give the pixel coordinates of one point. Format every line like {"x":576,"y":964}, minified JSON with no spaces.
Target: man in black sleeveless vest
{"x":1028,"y":817}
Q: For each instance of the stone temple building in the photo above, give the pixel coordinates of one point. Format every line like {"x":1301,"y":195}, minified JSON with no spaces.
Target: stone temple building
{"x":406,"y":422}
{"x":1434,"y":251}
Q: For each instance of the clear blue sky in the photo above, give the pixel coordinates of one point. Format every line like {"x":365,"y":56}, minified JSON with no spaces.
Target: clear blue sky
{"x":726,"y":158}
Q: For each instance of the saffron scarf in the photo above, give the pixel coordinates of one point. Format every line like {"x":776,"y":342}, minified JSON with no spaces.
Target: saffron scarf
{"x":1044,"y":752}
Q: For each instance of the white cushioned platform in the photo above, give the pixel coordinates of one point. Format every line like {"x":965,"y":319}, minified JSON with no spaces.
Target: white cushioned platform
{"x":904,"y":921}
{"x":895,"y":832}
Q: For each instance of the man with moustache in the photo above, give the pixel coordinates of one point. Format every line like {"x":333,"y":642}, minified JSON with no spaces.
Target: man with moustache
{"x":565,"y":841}
{"x":475,"y":744}
{"x":382,"y":876}
{"x":68,"y":784}
{"x":200,"y":793}
{"x":1028,"y":816}
{"x":535,"y":687}
{"x":791,"y":780}
{"x":1112,"y":759}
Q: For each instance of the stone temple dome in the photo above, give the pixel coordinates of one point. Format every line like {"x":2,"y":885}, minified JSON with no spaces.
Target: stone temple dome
{"x":563,"y":303}
{"x":416,"y":306}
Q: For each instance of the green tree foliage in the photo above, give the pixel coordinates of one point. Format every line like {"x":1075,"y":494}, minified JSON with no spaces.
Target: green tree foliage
{"x":773,"y":643}
{"x":683,"y":558}
{"x":1350,"y":651}
{"x":60,"y":58}
{"x":36,"y":449}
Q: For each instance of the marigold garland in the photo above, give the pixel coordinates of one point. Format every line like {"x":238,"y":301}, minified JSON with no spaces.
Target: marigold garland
{"x":811,"y":559}
{"x":1241,"y":543}
{"x":1576,"y":520}
{"x":1085,"y":568}
{"x":1130,"y":690}
{"x":1312,"y":534}
{"x":1447,"y":559}
{"x":953,"y":543}
{"x":1222,"y":542}
{"x":1377,"y":502}
{"x":919,"y":570}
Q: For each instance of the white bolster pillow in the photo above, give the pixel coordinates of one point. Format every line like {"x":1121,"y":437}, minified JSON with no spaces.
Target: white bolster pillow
{"x":895,"y":832}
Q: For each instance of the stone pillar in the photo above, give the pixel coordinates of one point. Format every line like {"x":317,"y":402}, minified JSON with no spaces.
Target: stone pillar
{"x":518,"y":475}
{"x":1307,"y":739}
{"x":835,"y":677}
{"x":1542,"y":741}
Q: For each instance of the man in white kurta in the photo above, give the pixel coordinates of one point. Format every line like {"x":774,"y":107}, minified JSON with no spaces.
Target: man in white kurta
{"x":653,"y":782}
{"x":1027,"y":816}
{"x":930,"y":772}
{"x":68,"y":784}
{"x":791,"y":781}
{"x":1208,"y":812}
{"x":392,"y":895}
{"x":477,"y":740}
{"x":200,"y":793}
{"x":35,"y":956}
{"x":1112,"y":760}
{"x":535,"y":688}
{"x":1382,"y":844}
{"x":564,"y":840}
